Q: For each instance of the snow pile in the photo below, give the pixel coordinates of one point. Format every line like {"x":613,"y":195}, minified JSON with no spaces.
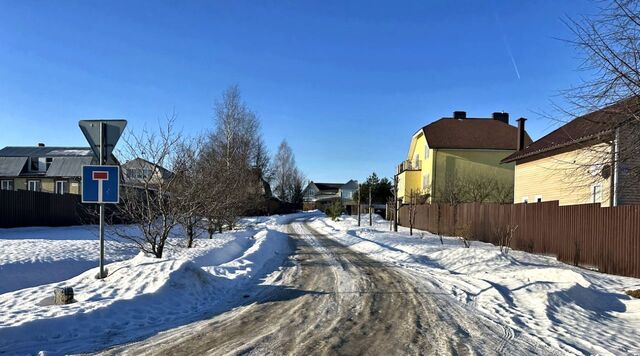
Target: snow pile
{"x":573,"y":310}
{"x":141,"y":296}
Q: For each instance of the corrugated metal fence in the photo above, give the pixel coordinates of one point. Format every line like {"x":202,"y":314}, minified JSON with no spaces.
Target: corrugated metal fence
{"x":28,"y":208}
{"x":587,"y":235}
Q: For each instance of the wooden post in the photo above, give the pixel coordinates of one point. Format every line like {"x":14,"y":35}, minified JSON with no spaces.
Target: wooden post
{"x":370,"y":222}
{"x":395,"y":203}
{"x":359,"y":188}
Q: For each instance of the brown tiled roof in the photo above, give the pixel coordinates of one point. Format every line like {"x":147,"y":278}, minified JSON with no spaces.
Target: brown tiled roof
{"x":472,"y":133}
{"x":592,"y":126}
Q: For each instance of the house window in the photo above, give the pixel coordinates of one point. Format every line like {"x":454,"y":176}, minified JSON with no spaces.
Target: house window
{"x":596,"y":193}
{"x":33,"y":185}
{"x":425,"y":182}
{"x":48,"y":161}
{"x":538,"y":198}
{"x":525,"y":200}
{"x":34,"y":165}
{"x":426,"y":152}
{"x":140,"y":173}
{"x":416,"y":161}
{"x":6,"y":184}
{"x":61,"y":187}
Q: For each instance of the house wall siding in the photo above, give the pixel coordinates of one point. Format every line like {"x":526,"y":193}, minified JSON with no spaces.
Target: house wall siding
{"x":564,"y":177}
{"x":425,"y":176}
{"x":451,"y":164}
{"x":442,"y":165}
{"x":407,"y":181}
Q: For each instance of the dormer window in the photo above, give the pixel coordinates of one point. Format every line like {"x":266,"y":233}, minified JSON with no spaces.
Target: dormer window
{"x":34,"y":165}
{"x":39,"y":164}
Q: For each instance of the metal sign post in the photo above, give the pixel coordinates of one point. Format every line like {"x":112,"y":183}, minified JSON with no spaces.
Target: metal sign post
{"x":102,"y":272}
{"x":101,"y":184}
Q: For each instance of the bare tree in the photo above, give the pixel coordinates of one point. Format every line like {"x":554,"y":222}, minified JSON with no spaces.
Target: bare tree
{"x":148,"y":199}
{"x":503,"y":192}
{"x":190,"y":186}
{"x":610,"y":47}
{"x":416,"y":198}
{"x":287,"y":178}
{"x":479,"y":188}
{"x":504,"y":236}
{"x":235,"y":161}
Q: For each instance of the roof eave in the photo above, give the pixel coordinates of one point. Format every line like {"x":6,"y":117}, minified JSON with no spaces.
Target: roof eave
{"x":516,"y":157}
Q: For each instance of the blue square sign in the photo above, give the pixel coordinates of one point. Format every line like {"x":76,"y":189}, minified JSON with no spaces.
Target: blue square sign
{"x":101,"y":184}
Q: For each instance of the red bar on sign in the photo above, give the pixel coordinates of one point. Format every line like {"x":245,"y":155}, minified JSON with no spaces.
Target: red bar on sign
{"x":100,"y":175}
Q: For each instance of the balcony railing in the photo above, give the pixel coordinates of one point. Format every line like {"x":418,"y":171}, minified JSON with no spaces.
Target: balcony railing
{"x":409,"y":166}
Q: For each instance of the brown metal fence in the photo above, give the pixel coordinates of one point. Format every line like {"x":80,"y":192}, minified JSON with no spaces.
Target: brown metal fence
{"x":27,"y":208}
{"x":588,"y":235}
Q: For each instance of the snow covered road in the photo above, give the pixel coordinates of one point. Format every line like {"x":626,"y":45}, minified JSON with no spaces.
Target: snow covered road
{"x":329,"y":299}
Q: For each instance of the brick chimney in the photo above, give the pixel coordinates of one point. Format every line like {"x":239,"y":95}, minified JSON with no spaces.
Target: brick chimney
{"x":521,"y":133}
{"x":501,"y":116}
{"x":40,"y":144}
{"x":460,"y":115}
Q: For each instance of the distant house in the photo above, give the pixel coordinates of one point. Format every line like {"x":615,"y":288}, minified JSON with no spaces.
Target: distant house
{"x":457,"y":148}
{"x":41,"y":168}
{"x":139,"y":171}
{"x":319,"y":192}
{"x":572,"y":163}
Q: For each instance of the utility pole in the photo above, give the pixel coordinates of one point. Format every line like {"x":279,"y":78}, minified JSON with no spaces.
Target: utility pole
{"x":370,"y":222}
{"x":359,"y":189}
{"x":395,"y":203}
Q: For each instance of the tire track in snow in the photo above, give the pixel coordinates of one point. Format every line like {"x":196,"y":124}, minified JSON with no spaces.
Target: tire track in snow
{"x":333,"y":300}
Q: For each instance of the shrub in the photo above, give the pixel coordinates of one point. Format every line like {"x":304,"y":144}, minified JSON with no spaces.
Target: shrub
{"x":466,"y":234}
{"x":633,"y":293}
{"x":334,"y":210}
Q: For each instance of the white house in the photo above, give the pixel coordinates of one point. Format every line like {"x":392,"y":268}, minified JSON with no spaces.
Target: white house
{"x":317,"y":192}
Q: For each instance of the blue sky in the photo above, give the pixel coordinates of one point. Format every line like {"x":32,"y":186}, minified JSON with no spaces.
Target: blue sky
{"x":346,"y":83}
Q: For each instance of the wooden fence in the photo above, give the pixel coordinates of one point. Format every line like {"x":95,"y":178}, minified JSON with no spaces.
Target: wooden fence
{"x":587,"y":235}
{"x":27,"y":208}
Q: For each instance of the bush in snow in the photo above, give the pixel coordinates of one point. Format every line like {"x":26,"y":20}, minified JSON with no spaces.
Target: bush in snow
{"x":504,"y":236}
{"x":465,"y":233}
{"x":633,"y":293}
{"x":149,"y":202}
{"x":334,"y":210}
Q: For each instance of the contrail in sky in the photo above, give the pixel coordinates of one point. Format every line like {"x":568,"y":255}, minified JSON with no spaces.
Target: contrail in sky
{"x":506,"y":45}
{"x":513,"y":60}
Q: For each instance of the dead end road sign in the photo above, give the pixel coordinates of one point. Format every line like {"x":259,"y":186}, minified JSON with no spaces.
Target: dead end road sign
{"x":101,"y":184}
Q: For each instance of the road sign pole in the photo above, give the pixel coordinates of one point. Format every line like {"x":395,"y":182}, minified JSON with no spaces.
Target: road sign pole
{"x":102,"y":135}
{"x":101,"y":160}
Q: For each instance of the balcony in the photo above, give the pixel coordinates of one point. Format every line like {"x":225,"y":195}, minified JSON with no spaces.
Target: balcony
{"x":409,"y":166}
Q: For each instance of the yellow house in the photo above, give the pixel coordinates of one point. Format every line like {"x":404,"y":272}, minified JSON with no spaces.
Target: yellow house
{"x":456,"y":149}
{"x":573,"y":164}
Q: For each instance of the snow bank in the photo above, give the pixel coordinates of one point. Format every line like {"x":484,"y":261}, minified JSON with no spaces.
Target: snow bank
{"x":39,"y":255}
{"x":141,"y":296}
{"x":572,"y":310}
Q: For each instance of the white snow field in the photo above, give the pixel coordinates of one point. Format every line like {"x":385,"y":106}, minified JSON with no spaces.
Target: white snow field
{"x":141,"y":296}
{"x":572,"y":310}
{"x":569,"y":309}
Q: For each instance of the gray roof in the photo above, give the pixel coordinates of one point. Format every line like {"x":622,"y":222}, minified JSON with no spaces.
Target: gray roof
{"x":31,"y":151}
{"x":11,"y":166}
{"x":141,"y":163}
{"x":68,"y":166}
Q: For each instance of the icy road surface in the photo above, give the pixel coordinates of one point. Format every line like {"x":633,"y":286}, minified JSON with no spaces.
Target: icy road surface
{"x":329,"y":299}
